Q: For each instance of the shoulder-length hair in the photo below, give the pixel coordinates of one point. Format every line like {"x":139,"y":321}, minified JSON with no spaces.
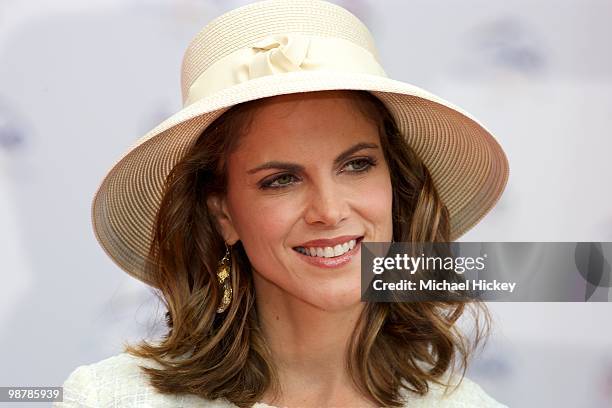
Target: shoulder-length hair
{"x":395,"y":347}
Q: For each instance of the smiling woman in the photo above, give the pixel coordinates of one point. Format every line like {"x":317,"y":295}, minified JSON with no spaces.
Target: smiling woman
{"x":247,"y":211}
{"x":332,"y":185}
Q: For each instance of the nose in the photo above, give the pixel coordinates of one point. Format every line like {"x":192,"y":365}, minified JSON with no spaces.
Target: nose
{"x":327,"y":205}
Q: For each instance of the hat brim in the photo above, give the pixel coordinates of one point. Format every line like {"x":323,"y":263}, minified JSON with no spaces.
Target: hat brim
{"x":468,"y":166}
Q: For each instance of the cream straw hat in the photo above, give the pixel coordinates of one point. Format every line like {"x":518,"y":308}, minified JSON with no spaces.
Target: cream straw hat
{"x":279,"y":47}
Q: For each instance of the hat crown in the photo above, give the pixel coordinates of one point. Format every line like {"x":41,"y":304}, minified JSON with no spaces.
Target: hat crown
{"x":244,"y":26}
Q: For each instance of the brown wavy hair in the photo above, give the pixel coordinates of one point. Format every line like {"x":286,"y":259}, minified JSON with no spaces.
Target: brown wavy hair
{"x":395,"y":347}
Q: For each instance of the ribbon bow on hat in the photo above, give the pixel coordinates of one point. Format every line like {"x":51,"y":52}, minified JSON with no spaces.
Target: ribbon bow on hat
{"x":278,"y":53}
{"x":282,"y":53}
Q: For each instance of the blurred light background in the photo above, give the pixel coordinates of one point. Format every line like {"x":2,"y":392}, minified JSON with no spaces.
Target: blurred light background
{"x":80,"y":81}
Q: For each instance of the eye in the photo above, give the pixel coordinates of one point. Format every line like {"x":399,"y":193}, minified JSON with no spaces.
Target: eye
{"x":281,"y":181}
{"x":356,"y":166}
{"x":361,"y":165}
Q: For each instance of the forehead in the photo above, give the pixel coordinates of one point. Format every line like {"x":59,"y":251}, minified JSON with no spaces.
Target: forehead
{"x":289,"y":125}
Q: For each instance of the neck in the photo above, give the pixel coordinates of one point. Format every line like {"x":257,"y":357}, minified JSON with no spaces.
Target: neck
{"x":308,"y":345}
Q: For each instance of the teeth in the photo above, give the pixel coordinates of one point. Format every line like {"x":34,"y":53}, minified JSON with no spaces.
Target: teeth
{"x":329,"y":252}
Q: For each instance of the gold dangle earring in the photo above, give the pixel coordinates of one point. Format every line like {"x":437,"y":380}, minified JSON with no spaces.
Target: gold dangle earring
{"x":223,"y":275}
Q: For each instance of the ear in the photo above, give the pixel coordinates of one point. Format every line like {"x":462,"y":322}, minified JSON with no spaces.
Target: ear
{"x":217,"y":207}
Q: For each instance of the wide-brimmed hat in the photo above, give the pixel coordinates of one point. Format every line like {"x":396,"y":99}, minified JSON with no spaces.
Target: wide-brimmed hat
{"x":280,"y":47}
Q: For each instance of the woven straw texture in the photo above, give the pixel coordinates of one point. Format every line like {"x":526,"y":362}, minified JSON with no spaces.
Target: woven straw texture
{"x":469,"y":168}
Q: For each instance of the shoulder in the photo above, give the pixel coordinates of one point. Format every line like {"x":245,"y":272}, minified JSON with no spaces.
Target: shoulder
{"x":118,"y":381}
{"x":462,"y":393}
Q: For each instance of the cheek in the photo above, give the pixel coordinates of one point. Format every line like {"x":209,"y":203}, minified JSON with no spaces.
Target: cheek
{"x":261,"y":221}
{"x":263,"y":229}
{"x":377,"y":200}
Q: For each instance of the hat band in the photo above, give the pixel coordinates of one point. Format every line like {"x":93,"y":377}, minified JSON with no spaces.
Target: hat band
{"x":277,"y":54}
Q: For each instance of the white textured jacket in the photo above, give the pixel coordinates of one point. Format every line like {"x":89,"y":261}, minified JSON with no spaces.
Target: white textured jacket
{"x":118,"y":382}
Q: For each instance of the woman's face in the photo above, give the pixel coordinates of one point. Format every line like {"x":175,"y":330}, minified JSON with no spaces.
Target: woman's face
{"x":310,"y":167}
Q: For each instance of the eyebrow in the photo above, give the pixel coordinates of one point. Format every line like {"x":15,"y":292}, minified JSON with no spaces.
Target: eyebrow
{"x":299,"y":168}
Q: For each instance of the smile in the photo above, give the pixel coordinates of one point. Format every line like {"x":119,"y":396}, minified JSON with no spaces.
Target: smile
{"x":328,"y":252}
{"x":330,"y":257}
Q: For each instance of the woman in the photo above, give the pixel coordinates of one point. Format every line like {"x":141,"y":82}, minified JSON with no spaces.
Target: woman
{"x":247,"y":209}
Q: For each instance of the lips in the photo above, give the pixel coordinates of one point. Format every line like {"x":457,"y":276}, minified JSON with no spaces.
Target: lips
{"x":322,"y":243}
{"x":333,"y":262}
{"x":330,"y":252}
